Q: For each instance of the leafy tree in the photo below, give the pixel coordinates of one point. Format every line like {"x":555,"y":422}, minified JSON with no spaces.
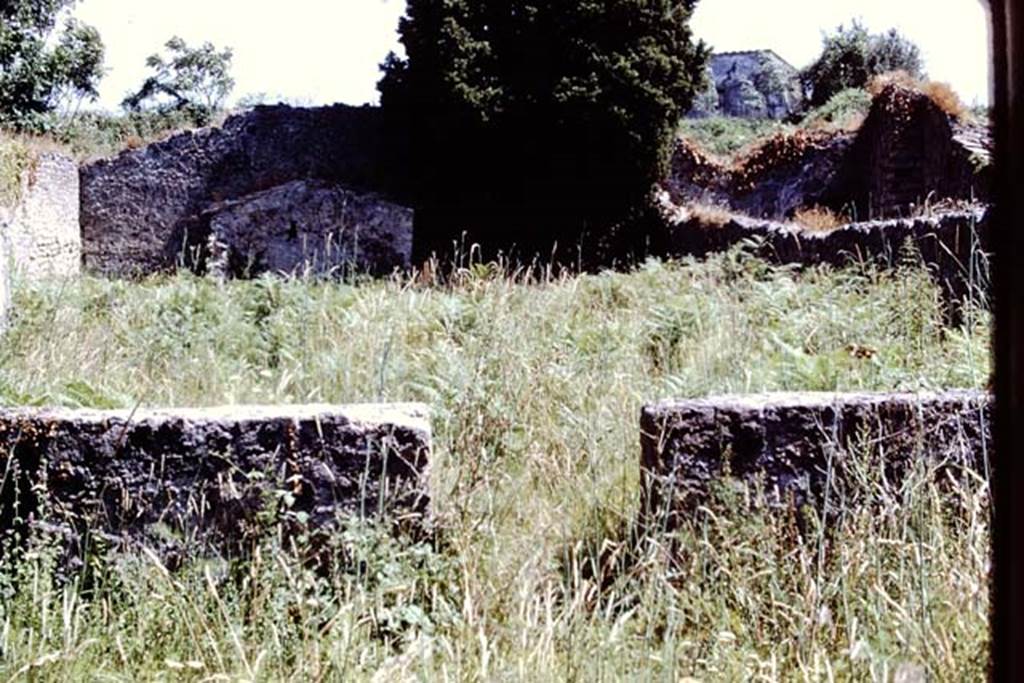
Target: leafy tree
{"x":42,"y":68}
{"x":538,"y":122}
{"x":193,"y":80}
{"x":851,"y":56}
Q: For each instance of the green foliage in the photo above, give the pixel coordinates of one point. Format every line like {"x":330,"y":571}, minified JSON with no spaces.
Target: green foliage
{"x":15,"y":157}
{"x":41,"y":68}
{"x":90,"y":135}
{"x":531,"y":121}
{"x":846,"y":106}
{"x":194,"y":80}
{"x":535,"y":473}
{"x":851,"y":56}
{"x":725,"y":136}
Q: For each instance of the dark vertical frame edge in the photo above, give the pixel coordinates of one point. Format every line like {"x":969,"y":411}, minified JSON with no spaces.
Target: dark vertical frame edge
{"x":1007,"y":589}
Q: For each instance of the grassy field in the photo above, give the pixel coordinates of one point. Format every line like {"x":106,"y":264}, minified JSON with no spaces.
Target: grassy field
{"x":535,"y":382}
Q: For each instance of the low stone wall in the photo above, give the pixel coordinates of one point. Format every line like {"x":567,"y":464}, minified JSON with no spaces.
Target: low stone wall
{"x":183,"y":482}
{"x":41,"y":229}
{"x":800,"y":444}
{"x":954,"y":245}
{"x":142,"y":211}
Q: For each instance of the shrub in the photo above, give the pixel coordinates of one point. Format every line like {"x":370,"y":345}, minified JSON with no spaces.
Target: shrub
{"x":845,"y":110}
{"x":96,"y":134}
{"x":42,"y":68}
{"x":942,"y":94}
{"x":14,"y":158}
{"x":780,"y":150}
{"x":851,"y":56}
{"x":560,"y":114}
{"x":726,"y":136}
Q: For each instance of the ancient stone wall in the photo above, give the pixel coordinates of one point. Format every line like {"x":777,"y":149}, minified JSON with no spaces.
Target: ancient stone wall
{"x":42,"y":228}
{"x":752,"y":84}
{"x":182,"y":482}
{"x":800,"y":445}
{"x":910,"y":152}
{"x":311,"y":227}
{"x":786,"y":173}
{"x":907,"y":154}
{"x":142,"y":210}
{"x":955,"y":245}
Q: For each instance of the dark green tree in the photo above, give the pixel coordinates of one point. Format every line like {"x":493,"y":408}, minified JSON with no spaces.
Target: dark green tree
{"x":534,"y":123}
{"x":192,"y":80}
{"x":851,"y":56}
{"x":42,"y":67}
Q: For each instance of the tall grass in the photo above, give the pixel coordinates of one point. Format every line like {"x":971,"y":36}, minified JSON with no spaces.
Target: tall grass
{"x":536,"y":382}
{"x":15,"y":159}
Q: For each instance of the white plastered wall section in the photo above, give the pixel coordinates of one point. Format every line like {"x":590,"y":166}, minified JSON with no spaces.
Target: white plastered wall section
{"x":41,"y":231}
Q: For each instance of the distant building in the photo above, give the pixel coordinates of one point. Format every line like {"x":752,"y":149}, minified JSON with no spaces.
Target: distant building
{"x":756,"y":84}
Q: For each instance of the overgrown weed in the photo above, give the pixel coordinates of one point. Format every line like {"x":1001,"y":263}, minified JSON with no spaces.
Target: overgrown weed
{"x":535,"y":381}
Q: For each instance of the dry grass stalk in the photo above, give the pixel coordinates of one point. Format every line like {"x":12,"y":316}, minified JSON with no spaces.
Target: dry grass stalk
{"x":941,"y":94}
{"x":819,"y":219}
{"x":709,"y":215}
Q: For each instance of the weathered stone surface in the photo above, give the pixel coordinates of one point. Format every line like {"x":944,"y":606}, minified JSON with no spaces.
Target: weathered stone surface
{"x":310,"y":226}
{"x":955,"y":245}
{"x":786,"y":174}
{"x":797,"y":443}
{"x":751,"y":84}
{"x":140,"y":211}
{"x":41,"y":229}
{"x":188,"y":481}
{"x":907,"y":154}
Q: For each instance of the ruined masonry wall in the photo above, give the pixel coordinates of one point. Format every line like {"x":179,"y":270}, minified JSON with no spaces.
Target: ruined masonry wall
{"x":799,"y":444}
{"x":41,"y":231}
{"x":183,"y":482}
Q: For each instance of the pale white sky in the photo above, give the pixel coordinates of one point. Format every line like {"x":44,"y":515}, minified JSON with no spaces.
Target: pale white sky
{"x":325,"y":51}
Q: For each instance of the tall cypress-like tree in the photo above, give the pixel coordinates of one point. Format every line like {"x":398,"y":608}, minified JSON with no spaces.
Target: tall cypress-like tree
{"x":535,"y":123}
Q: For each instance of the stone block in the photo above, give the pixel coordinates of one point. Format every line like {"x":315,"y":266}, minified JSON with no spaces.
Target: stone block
{"x":955,"y":246}
{"x":797,"y":445}
{"x":186,"y":482}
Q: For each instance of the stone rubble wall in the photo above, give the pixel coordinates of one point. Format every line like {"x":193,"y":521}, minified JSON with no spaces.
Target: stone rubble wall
{"x":142,"y":211}
{"x":955,"y":245}
{"x":799,"y":444}
{"x":311,"y":227}
{"x":182,"y":482}
{"x":908,"y":153}
{"x":803,"y":176}
{"x":42,"y":229}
